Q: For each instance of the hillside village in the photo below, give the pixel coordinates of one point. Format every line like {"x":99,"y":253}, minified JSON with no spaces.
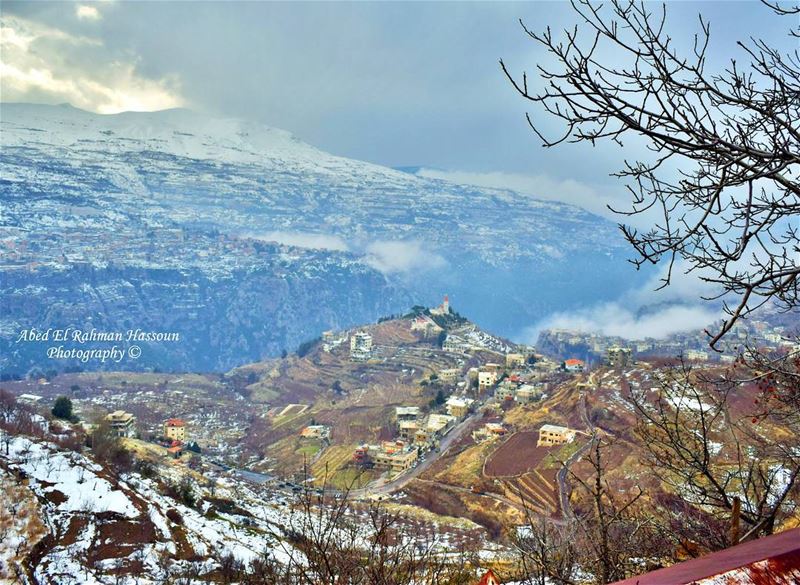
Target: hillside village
{"x":421,"y":377}
{"x":463,"y":432}
{"x":771,"y":330}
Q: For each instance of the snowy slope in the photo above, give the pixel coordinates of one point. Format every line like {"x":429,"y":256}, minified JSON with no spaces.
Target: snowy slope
{"x":112,"y":206}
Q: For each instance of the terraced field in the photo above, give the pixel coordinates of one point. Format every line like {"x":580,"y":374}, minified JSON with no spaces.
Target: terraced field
{"x":535,"y":490}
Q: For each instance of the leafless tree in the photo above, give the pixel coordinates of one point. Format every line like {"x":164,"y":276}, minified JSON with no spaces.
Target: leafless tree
{"x":615,"y":535}
{"x":546,"y":550}
{"x":706,"y":448}
{"x":724,"y":147}
{"x":8,"y":409}
{"x":609,"y":535}
{"x":777,"y":376}
{"x":332,"y":540}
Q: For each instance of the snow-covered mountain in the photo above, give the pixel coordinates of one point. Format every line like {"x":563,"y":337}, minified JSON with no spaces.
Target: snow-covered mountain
{"x":250,"y":240}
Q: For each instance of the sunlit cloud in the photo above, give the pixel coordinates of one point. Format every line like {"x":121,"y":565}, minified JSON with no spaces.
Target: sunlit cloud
{"x":86,"y":12}
{"x":619,"y":320}
{"x":43,"y":64}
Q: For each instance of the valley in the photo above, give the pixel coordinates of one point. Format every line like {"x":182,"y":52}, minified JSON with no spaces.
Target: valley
{"x":469,"y":439}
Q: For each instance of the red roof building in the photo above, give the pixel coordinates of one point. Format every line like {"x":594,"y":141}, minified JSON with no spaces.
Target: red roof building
{"x":175,"y":429}
{"x":773,"y":560}
{"x":573,"y":365}
{"x":175,"y":451}
{"x":489,"y":578}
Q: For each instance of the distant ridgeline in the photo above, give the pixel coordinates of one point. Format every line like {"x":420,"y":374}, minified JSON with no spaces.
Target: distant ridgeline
{"x":247,"y":242}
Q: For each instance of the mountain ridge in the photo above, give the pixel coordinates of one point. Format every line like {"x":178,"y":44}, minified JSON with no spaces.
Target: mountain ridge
{"x":89,"y":196}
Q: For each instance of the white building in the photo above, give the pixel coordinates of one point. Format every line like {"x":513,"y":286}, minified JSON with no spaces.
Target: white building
{"x":123,"y":424}
{"x":448,"y":375}
{"x":406,"y":413}
{"x":360,"y":346}
{"x":458,"y":407}
{"x":456,"y":344}
{"x":618,"y":357}
{"x":554,"y":435}
{"x":486,"y":380}
{"x":31,"y":399}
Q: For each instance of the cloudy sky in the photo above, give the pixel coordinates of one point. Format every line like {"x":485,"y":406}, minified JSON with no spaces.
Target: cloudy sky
{"x":412,"y":84}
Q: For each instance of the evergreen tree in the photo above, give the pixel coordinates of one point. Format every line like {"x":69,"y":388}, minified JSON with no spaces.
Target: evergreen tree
{"x":62,"y":408}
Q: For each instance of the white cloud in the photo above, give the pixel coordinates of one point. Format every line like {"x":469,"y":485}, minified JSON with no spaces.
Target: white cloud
{"x":539,"y":186}
{"x":402,"y":257}
{"x":86,"y":12}
{"x":304,"y":240}
{"x":642,"y":312}
{"x":615,"y":319}
{"x":40,"y":63}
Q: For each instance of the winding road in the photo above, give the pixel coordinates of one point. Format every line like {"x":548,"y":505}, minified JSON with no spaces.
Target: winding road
{"x":381,"y":487}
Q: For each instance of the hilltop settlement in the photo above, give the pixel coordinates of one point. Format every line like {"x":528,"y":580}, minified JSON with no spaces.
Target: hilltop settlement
{"x":466,"y":437}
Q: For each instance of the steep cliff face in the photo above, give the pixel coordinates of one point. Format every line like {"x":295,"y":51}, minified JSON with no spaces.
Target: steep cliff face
{"x":251,"y":240}
{"x":220,"y":323}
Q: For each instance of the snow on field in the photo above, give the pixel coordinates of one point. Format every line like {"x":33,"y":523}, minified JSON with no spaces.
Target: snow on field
{"x":72,"y":491}
{"x":69,"y":474}
{"x":220,"y":533}
{"x":688,"y":402}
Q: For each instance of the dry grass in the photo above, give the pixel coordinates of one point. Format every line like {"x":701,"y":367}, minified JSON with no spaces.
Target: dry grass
{"x":423,"y":515}
{"x":465,"y":469}
{"x":332,"y":460}
{"x":20,"y":525}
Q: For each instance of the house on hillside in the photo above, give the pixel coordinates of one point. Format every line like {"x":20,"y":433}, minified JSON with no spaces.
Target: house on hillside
{"x":456,"y":344}
{"x":515,"y":360}
{"x":406,"y":413}
{"x":316,"y":432}
{"x":528,"y":393}
{"x":397,"y":461}
{"x":331,"y":340}
{"x":407,"y":429}
{"x":30,"y":399}
{"x":573,"y":365}
{"x":123,"y":424}
{"x":395,"y":455}
{"x":360,"y":346}
{"x":434,"y":427}
{"x":486,"y":379}
{"x":555,"y":435}
{"x":505,"y":391}
{"x":175,"y":451}
{"x":618,"y":357}
{"x":175,"y":429}
{"x":448,"y":375}
{"x":458,"y":407}
{"x":696,"y":355}
{"x":488,"y":431}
